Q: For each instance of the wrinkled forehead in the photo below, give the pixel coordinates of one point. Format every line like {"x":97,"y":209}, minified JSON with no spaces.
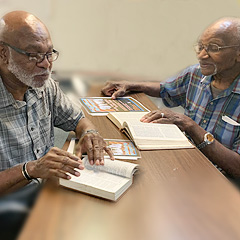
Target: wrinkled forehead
{"x":223,"y":32}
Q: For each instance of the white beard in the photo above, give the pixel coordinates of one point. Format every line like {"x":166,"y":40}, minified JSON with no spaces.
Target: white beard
{"x":24,"y":76}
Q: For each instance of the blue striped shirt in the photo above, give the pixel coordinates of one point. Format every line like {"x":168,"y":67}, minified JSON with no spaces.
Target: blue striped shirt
{"x":27,"y":127}
{"x":191,"y":90}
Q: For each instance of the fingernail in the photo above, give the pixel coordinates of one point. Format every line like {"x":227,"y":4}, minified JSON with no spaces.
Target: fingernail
{"x":68,"y":177}
{"x":77,"y":174}
{"x":91,"y":162}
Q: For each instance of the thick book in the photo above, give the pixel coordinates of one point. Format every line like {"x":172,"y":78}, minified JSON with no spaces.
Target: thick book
{"x":149,"y":136}
{"x":101,"y":106}
{"x":109,"y":181}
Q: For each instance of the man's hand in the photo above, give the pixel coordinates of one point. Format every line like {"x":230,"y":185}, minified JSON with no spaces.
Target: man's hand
{"x":115,"y":89}
{"x":56,"y":163}
{"x":94,"y":145}
{"x":168,"y":117}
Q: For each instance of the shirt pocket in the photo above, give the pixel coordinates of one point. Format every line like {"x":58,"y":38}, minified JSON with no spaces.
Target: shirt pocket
{"x":227,"y":133}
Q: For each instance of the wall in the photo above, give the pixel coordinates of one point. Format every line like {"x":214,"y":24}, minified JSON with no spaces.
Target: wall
{"x":148,"y":38}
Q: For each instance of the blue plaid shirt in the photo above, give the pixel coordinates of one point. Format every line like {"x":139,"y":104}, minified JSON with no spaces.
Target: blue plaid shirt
{"x":27,"y":127}
{"x":191,"y":90}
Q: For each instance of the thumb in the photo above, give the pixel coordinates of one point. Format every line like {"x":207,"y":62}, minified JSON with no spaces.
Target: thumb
{"x":118,"y":93}
{"x":78,"y":151}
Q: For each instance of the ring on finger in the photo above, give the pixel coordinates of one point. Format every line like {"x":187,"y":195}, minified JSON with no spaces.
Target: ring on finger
{"x":162,"y":115}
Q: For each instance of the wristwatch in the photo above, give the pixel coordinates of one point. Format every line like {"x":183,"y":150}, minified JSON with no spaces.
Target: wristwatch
{"x":208,"y":139}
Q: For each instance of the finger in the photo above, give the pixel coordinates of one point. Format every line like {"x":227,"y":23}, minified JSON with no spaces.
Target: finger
{"x":78,"y":150}
{"x":67,"y":161}
{"x":61,"y":152}
{"x":118,"y":93}
{"x":109,"y":152}
{"x":162,"y":121}
{"x":97,"y":148}
{"x":60,"y":174}
{"x":150,"y":118}
{"x":70,"y":170}
{"x":146,"y":116}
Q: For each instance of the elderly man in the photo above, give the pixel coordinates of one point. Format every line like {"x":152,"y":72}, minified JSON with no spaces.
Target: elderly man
{"x":209,"y":93}
{"x":31,"y":104}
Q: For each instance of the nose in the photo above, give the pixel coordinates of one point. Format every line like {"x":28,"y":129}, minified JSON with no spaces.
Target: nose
{"x":44,"y":63}
{"x":203,"y":54}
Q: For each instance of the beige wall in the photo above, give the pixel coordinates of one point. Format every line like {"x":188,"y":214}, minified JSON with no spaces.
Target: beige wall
{"x":149,"y":38}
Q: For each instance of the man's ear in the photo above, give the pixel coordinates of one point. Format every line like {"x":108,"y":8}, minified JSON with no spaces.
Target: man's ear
{"x":238,"y":55}
{"x":4,"y":54}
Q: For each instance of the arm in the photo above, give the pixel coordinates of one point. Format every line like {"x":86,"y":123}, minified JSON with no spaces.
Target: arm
{"x":118,"y":89}
{"x":225,"y":158}
{"x":56,"y":163}
{"x":91,"y":143}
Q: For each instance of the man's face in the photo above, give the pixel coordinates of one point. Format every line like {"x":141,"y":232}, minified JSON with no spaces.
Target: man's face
{"x":224,"y":60}
{"x":31,"y":79}
{"x":26,"y":69}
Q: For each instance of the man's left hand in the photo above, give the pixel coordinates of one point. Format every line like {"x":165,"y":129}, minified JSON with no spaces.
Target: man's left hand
{"x":95,"y":146}
{"x":167,"y":116}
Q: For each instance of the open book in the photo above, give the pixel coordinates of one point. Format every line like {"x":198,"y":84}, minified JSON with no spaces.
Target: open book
{"x":109,"y":181}
{"x":149,"y":136}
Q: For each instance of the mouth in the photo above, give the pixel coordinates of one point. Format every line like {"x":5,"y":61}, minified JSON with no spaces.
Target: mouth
{"x":206,"y":65}
{"x":43,"y":76}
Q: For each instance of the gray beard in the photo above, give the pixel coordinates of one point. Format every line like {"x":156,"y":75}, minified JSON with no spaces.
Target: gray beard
{"x":24,"y":76}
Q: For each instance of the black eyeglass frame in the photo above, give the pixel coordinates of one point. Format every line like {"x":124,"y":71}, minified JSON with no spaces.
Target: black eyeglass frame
{"x":38,"y":57}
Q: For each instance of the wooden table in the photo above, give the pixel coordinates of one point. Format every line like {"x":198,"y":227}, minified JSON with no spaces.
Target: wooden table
{"x":177,"y":194}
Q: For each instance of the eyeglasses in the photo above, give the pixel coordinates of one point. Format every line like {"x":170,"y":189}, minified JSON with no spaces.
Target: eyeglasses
{"x":37,"y":57}
{"x":211,"y":48}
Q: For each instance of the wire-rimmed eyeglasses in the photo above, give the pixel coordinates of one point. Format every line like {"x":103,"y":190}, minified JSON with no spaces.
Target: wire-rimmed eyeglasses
{"x":211,"y":47}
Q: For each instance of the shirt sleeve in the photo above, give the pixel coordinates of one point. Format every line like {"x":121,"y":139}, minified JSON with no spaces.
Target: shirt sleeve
{"x":173,"y":90}
{"x":66,"y":114}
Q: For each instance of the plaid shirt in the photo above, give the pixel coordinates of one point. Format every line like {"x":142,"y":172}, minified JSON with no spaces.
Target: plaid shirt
{"x":191,"y":90}
{"x":27,"y":127}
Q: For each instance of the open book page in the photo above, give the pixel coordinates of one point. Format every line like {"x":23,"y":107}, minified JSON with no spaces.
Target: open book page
{"x":118,"y":118}
{"x":97,"y":182}
{"x":157,"y":135}
{"x":155,"y":131}
{"x":124,"y":169}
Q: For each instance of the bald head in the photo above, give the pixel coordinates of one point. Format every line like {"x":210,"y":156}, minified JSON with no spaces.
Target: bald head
{"x":18,"y":25}
{"x":227,"y":28}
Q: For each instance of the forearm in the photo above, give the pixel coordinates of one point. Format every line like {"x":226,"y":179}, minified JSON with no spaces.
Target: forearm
{"x":223,"y":157}
{"x":149,"y":88}
{"x":83,"y":125}
{"x":12,"y":179}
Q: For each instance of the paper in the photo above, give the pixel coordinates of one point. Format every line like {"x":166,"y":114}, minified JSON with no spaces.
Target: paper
{"x":230,"y":121}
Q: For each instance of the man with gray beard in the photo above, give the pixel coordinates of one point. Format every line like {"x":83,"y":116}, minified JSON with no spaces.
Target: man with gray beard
{"x":31,"y":104}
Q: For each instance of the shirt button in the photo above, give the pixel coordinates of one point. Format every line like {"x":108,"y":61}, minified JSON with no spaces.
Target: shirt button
{"x":204,"y":121}
{"x":211,"y":103}
{"x":32,"y":128}
{"x":38,"y":150}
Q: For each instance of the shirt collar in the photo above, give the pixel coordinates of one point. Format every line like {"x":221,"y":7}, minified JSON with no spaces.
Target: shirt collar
{"x":6,"y":98}
{"x":235,"y":86}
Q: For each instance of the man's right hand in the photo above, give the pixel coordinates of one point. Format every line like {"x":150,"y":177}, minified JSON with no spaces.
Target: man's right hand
{"x":56,"y":163}
{"x":116,"y":89}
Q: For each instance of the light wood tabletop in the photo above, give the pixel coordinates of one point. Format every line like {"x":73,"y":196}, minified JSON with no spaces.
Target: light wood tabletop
{"x":177,"y":194}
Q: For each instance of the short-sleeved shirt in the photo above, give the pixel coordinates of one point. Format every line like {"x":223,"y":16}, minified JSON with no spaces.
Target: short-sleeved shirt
{"x":192,"y":90}
{"x":27,"y":127}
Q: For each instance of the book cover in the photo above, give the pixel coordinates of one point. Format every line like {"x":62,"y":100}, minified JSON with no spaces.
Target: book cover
{"x":101,"y":106}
